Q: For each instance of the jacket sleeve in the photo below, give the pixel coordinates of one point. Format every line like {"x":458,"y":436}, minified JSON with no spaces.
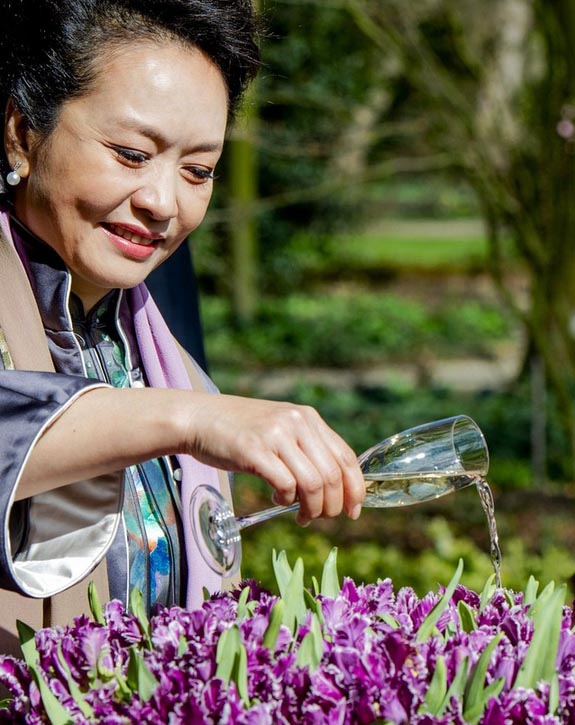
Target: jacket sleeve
{"x":51,"y":541}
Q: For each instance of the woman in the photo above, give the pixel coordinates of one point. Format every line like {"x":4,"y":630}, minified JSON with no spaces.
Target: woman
{"x":115,"y":119}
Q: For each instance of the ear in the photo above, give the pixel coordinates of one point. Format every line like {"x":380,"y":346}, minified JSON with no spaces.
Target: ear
{"x":17,"y":139}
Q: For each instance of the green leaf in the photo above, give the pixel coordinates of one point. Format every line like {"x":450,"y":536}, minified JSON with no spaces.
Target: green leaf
{"x":494,"y":689}
{"x":240,"y":675}
{"x":476,"y":695}
{"x":531,"y":590}
{"x":554,"y":694}
{"x":542,"y":600}
{"x":226,"y":652}
{"x":313,"y":605}
{"x":428,"y":625}
{"x":295,"y":609}
{"x":125,"y":692}
{"x":138,"y":609}
{"x":477,"y":677}
{"x":282,"y":571}
{"x":232,"y":661}
{"x":316,"y":629}
{"x":539,"y":662}
{"x":315,"y":586}
{"x":437,"y":688}
{"x":466,"y":616}
{"x":101,"y":671}
{"x":183,"y":645}
{"x":27,"y":643}
{"x":273,"y":628}
{"x":56,"y":712}
{"x":311,"y":648}
{"x":389,"y":620}
{"x":95,"y":604}
{"x":73,"y":685}
{"x":243,"y":611}
{"x":487,"y":592}
{"x":473,"y":715}
{"x":139,"y":677}
{"x":457,"y":686}
{"x":329,"y":579}
{"x":306,"y":654}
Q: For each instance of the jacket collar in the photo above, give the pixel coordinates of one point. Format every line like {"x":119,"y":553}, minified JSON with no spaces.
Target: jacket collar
{"x":50,"y":279}
{"x":51,"y":284}
{"x":19,"y":316}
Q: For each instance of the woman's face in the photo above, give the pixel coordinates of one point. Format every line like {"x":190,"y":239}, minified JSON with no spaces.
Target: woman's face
{"x":127,"y":173}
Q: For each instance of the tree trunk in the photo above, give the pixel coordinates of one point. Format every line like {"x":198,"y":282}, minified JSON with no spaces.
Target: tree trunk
{"x":243,"y":184}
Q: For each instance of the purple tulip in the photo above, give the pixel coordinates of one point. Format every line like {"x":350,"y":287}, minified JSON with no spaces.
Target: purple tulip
{"x":373,"y":666}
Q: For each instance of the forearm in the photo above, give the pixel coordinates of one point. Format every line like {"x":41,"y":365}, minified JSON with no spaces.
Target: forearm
{"x":289,"y":446}
{"x":104,"y":430}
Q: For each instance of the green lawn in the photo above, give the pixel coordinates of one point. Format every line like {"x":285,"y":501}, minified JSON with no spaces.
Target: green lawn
{"x":424,"y":244}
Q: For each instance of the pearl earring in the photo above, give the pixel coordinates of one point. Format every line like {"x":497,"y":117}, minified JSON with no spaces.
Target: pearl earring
{"x":14,"y":178}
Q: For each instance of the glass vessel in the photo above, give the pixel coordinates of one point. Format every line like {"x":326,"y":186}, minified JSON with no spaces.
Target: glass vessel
{"x":418,"y":464}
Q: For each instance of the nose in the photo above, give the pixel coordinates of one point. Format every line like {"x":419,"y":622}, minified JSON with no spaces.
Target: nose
{"x":157,"y":196}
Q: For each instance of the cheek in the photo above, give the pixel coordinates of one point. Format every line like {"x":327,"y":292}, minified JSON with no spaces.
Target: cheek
{"x":50,"y":170}
{"x":51,"y":194}
{"x":83,"y":187}
{"x":38,"y":205}
{"x":194,"y":208}
{"x":39,"y":190}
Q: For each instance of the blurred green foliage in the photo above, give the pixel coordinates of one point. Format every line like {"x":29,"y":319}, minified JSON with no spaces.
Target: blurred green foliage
{"x":376,"y":555}
{"x":350,"y":330}
{"x":329,"y":257}
{"x":419,"y":547}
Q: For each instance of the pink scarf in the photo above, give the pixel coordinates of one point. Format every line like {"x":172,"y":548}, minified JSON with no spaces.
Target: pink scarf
{"x":165,"y":369}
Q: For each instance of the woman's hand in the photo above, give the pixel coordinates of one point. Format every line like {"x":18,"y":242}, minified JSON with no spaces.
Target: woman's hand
{"x":289,"y":446}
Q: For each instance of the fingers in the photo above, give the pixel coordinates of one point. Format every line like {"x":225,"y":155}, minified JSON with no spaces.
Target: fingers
{"x":290,"y":446}
{"x":353,"y":483}
{"x":318,"y":483}
{"x":314,"y":467}
{"x":307,"y":474}
{"x":326,"y":471}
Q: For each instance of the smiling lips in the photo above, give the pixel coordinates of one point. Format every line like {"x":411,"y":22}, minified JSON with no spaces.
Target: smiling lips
{"x":130,"y":243}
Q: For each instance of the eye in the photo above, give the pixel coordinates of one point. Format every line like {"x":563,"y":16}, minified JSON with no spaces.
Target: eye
{"x":130,"y":156}
{"x":199,"y":174}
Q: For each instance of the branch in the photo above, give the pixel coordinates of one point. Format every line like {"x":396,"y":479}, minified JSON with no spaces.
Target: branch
{"x":333,"y":186}
{"x":423,"y":69}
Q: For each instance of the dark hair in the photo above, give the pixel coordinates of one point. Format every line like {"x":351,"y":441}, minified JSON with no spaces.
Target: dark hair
{"x":49,"y":49}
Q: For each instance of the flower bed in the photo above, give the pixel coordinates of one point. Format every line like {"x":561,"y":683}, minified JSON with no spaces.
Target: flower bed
{"x":349,"y":654}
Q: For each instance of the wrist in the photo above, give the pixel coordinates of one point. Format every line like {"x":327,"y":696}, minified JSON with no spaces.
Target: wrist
{"x":181,"y":415}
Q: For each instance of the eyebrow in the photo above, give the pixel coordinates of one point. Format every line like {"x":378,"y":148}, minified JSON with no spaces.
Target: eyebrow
{"x":155,"y":136}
